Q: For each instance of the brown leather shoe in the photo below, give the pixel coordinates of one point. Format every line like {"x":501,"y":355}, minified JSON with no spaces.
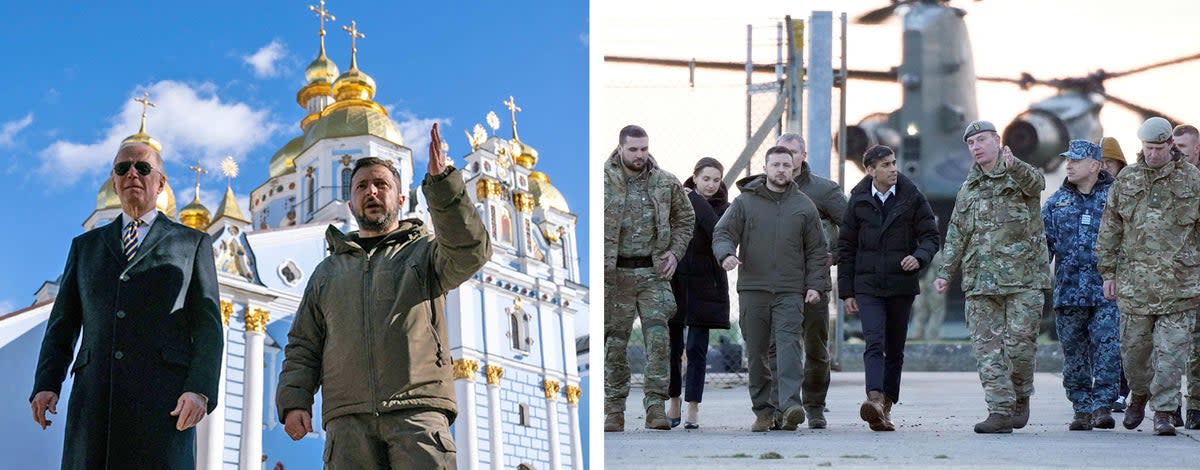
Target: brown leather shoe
{"x":1162,"y":424}
{"x":1102,"y":418}
{"x":656,"y":418}
{"x":763,"y":423}
{"x":995,"y":423}
{"x":1136,"y":411}
{"x":614,"y":422}
{"x":887,"y":415}
{"x":871,"y":411}
{"x":792,"y":417}
{"x":1082,"y":422}
{"x":1020,"y":416}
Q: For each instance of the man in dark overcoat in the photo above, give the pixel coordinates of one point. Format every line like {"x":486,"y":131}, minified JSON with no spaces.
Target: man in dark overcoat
{"x":143,"y":292}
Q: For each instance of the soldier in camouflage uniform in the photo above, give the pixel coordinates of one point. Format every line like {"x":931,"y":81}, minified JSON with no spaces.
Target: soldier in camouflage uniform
{"x":929,"y":308}
{"x":1149,"y":255}
{"x":648,"y":223}
{"x":996,"y":236}
{"x":1186,"y":139}
{"x":1086,"y":321}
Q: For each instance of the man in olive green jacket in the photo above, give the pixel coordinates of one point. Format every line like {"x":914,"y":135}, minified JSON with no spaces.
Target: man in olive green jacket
{"x":773,"y":232}
{"x":648,"y":223}
{"x":998,"y":238}
{"x":371,"y":328}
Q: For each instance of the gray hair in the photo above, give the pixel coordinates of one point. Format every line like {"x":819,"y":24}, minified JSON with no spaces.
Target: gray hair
{"x":790,"y":137}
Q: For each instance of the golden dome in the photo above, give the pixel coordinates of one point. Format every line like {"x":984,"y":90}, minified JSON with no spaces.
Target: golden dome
{"x":284,"y":160}
{"x":195,"y":215}
{"x":229,"y":208}
{"x":354,"y":85}
{"x":107,"y":198}
{"x":348,"y":121}
{"x":547,"y":195}
{"x":143,"y":138}
{"x":321,"y":70}
{"x":528,"y":156}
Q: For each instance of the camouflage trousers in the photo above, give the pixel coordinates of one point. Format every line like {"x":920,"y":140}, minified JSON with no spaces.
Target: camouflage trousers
{"x":1193,"y":377}
{"x":630,"y":294}
{"x":1004,"y":331}
{"x":1091,"y":355}
{"x":1169,"y":338}
{"x":780,"y":330}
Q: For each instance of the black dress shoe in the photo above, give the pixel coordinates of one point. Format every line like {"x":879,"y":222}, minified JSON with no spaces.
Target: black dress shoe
{"x":674,"y":421}
{"x":691,"y":426}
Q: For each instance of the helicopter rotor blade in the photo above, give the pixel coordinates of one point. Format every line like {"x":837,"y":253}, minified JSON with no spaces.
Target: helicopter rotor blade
{"x":870,"y":75}
{"x":1144,"y":68}
{"x":1144,"y":112}
{"x":878,"y":15}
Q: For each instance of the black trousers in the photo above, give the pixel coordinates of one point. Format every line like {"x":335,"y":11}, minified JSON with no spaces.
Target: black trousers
{"x":885,"y":328}
{"x":697,"y":357}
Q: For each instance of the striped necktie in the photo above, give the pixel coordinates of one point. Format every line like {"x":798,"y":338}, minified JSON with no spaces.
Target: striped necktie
{"x":130,"y":242}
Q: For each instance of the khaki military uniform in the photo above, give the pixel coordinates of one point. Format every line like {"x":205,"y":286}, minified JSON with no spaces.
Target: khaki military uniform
{"x":645,"y":216}
{"x":1150,"y":245}
{"x":998,"y":239}
{"x":929,"y":309}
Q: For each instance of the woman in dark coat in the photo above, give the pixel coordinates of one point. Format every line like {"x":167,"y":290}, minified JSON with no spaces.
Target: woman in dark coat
{"x":701,"y":291}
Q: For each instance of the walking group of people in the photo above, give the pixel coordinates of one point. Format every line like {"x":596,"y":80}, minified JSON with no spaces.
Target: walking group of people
{"x":1126,"y":277}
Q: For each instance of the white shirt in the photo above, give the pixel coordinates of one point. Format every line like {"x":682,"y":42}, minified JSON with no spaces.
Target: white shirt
{"x":147,"y":219}
{"x":883,"y":197}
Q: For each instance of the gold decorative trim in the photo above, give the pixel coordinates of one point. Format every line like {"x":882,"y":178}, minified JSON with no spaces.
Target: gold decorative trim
{"x":311,"y":118}
{"x":573,"y":394}
{"x":256,"y":320}
{"x":523,"y":201}
{"x":494,"y":373}
{"x":466,"y":369}
{"x":487,"y":188}
{"x":551,"y":387}
{"x":226,"y":311}
{"x":311,"y":91}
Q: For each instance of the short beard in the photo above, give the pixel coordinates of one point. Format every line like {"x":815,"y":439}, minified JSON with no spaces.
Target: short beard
{"x":380,"y":225}
{"x":629,"y":166}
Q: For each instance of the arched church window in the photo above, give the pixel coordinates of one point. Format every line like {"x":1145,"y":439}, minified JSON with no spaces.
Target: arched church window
{"x":346,"y":184}
{"x":518,"y":328}
{"x":310,"y":183}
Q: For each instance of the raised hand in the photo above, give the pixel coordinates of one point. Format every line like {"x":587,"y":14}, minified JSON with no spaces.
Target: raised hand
{"x":437,"y":158}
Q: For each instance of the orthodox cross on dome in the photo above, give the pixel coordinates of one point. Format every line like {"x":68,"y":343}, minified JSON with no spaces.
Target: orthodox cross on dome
{"x":230,"y":168}
{"x":511,"y":104}
{"x":199,"y":171}
{"x":146,"y":104}
{"x":355,"y":35}
{"x":322,"y":15}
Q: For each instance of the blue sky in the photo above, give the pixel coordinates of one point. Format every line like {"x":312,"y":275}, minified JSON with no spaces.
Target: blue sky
{"x":225,"y":76}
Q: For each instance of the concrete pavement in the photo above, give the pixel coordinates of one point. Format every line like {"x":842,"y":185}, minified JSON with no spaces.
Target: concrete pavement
{"x":934,"y":419}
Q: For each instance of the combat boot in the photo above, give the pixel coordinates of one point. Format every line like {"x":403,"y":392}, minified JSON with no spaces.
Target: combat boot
{"x":1020,"y":416}
{"x":1193,"y":419}
{"x":762,"y":423}
{"x":1136,"y":411}
{"x":887,"y":415}
{"x":871,"y":411}
{"x":614,"y":422}
{"x":1177,"y":417}
{"x":1102,"y":418}
{"x":792,"y":417}
{"x":816,"y":417}
{"x":1082,"y":422}
{"x":1162,"y":424}
{"x":995,"y":423}
{"x":656,"y":418}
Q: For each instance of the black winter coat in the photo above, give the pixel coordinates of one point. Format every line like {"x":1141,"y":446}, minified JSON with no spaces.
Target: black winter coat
{"x":701,"y":286}
{"x":870,"y":246}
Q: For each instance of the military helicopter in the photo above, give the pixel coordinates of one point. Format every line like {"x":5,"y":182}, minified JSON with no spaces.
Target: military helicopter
{"x":937,"y":77}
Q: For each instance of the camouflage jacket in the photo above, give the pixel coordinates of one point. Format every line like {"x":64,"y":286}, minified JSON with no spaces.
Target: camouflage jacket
{"x":1149,"y":231}
{"x":829,"y":198}
{"x":1072,"y":224}
{"x":673,"y":218}
{"x":996,"y":235}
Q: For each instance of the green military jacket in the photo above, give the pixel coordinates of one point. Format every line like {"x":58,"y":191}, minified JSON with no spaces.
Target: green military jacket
{"x":1149,"y":242}
{"x":996,"y":231}
{"x":829,"y":198}
{"x":673,"y":217}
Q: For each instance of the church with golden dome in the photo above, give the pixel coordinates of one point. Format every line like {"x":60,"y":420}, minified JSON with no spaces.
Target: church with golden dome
{"x":512,"y":326}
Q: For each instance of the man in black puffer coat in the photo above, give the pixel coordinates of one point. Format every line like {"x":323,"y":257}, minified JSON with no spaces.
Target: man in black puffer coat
{"x":888,"y":235}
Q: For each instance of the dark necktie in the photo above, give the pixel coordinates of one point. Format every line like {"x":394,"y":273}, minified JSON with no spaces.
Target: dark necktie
{"x":129,"y":241}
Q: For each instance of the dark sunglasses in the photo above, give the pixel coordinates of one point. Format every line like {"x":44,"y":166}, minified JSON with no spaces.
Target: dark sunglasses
{"x":143,"y":168}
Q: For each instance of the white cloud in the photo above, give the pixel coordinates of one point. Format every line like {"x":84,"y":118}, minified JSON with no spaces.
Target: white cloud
{"x":9,"y":130}
{"x":191,"y":121}
{"x":7,"y":306}
{"x":415,"y":131}
{"x":266,"y":60}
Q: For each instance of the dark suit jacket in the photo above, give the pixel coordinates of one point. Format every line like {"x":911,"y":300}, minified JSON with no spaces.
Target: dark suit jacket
{"x":151,"y":331}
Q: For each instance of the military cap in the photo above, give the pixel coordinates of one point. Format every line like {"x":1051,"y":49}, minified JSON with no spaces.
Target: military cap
{"x":1080,"y":149}
{"x":977,"y":127}
{"x":1155,"y":130}
{"x":1111,"y":149}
